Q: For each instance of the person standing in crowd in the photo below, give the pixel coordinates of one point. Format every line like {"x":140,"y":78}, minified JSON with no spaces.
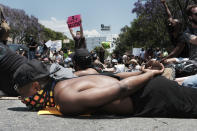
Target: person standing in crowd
{"x":38,"y":52}
{"x":174,"y":29}
{"x":101,"y":54}
{"x":142,"y":53}
{"x":79,"y":38}
{"x":32,"y":47}
{"x":157,"y":53}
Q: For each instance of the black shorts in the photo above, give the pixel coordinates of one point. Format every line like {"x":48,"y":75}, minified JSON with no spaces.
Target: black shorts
{"x":165,"y":98}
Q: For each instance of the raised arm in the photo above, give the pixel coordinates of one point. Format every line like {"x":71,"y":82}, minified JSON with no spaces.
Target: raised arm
{"x":71,"y":32}
{"x":167,"y":9}
{"x":81,"y":29}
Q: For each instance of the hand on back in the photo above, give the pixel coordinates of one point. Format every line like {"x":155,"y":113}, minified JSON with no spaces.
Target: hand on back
{"x":153,"y":66}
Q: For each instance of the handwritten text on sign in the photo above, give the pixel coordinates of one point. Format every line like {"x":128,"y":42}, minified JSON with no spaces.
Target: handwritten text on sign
{"x":74,"y":21}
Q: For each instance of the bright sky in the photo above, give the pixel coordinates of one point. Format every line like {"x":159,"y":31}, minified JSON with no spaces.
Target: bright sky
{"x":53,"y":14}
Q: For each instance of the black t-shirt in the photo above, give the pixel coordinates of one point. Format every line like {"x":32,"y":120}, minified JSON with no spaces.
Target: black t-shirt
{"x":192,"y":47}
{"x":33,"y":48}
{"x":180,"y":40}
{"x":80,"y":42}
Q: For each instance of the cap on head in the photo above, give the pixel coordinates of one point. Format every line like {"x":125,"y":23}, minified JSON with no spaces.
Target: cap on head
{"x":29,"y":72}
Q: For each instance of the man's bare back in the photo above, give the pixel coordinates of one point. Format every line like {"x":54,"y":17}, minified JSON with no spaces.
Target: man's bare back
{"x":82,"y":85}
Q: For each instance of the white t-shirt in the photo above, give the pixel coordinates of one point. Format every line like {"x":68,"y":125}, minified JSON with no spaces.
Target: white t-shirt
{"x":142,"y":54}
{"x":120,"y":68}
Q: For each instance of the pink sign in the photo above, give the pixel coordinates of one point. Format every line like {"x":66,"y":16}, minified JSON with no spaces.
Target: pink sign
{"x":74,"y":21}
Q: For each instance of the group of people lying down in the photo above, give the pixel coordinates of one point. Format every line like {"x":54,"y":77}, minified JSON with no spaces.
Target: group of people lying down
{"x":139,"y":94}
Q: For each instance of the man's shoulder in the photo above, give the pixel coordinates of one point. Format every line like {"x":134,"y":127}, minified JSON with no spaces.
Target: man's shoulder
{"x":91,"y":71}
{"x":186,"y":35}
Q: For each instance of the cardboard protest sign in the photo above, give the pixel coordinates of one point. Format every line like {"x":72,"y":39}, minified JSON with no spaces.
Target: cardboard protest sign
{"x":54,"y":45}
{"x":74,"y":21}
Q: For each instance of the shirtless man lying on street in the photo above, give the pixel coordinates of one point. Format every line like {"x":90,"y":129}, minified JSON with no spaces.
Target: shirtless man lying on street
{"x":144,"y":94}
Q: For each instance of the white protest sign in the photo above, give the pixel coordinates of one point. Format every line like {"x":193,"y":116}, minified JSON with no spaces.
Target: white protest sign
{"x":54,"y":45}
{"x":48,"y":43}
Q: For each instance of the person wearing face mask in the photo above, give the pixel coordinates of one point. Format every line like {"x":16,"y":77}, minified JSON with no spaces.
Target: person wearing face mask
{"x":79,"y":39}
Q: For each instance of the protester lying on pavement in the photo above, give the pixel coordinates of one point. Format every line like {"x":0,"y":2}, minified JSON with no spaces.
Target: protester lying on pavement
{"x":146,"y":95}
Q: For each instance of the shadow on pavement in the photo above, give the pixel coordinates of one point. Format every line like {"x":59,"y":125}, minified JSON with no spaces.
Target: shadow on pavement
{"x":96,"y":117}
{"x":18,"y":109}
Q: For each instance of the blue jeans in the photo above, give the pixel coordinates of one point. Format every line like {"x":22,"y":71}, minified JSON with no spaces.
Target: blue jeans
{"x":191,"y":81}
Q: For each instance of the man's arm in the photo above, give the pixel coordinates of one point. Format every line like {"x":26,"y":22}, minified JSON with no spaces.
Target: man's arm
{"x":86,"y":98}
{"x":34,"y":46}
{"x":124,"y":75}
{"x":71,"y":32}
{"x":178,"y":49}
{"x":167,"y":9}
{"x":81,"y":30}
{"x":75,"y":101}
{"x":191,"y":38}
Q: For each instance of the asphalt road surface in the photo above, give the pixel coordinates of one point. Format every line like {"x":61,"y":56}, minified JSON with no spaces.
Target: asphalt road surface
{"x":15,"y":117}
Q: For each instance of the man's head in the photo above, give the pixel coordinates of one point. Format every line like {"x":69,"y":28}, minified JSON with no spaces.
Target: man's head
{"x":192,"y":13}
{"x":78,"y":34}
{"x":30,"y":75}
{"x":133,"y":62}
{"x":38,"y":94}
{"x":32,"y":88}
{"x":31,"y":79}
{"x":29,"y":89}
{"x":174,"y":25}
{"x":82,"y":59}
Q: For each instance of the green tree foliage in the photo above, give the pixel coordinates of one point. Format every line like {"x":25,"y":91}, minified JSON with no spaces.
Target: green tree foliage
{"x":53,"y":35}
{"x":22,"y":26}
{"x":149,"y":29}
